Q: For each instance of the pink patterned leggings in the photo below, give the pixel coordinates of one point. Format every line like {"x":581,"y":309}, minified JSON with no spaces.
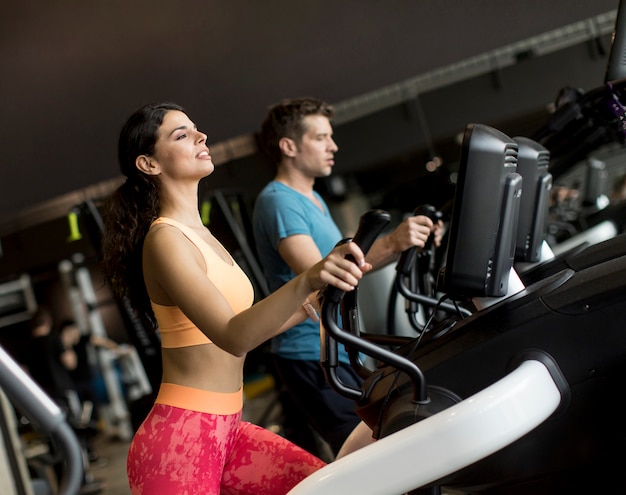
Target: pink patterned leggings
{"x":181,"y":452}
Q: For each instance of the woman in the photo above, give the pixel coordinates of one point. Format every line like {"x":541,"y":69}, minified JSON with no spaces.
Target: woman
{"x":157,"y":252}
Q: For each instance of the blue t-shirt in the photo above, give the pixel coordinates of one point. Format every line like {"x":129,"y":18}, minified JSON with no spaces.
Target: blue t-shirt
{"x":280,"y":212}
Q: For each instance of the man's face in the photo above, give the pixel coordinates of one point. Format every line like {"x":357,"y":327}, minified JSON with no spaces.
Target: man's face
{"x":315,"y":152}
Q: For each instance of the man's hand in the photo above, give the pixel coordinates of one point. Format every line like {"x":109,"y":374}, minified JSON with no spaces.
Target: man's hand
{"x":414,"y":231}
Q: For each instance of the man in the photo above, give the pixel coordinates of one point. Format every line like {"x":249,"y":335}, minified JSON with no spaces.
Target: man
{"x":293,"y":230}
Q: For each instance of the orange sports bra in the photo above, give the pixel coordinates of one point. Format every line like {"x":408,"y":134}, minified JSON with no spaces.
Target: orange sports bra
{"x":175,"y":328}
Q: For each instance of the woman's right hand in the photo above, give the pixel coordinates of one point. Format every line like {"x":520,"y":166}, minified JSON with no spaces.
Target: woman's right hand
{"x":338,"y":270}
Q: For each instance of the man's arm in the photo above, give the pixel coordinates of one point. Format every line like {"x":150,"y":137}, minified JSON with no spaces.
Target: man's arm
{"x":412,"y":232}
{"x":299,"y":252}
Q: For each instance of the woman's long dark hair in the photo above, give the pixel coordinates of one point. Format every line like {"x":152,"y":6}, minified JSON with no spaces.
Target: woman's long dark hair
{"x":129,"y":211}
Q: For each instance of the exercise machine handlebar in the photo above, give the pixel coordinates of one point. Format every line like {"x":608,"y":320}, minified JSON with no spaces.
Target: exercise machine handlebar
{"x":33,"y":402}
{"x":370,"y":226}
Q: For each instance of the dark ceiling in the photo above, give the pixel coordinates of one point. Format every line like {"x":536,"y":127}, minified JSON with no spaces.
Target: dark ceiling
{"x":72,"y":70}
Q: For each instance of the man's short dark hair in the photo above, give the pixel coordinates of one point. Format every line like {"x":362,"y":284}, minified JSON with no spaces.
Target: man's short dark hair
{"x":285,"y":119}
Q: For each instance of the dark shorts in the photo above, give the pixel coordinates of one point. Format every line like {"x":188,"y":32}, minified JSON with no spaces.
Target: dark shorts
{"x":330,"y":414}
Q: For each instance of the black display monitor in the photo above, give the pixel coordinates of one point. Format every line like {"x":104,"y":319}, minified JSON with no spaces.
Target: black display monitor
{"x":616,"y":66}
{"x":596,"y":182}
{"x":533,"y":161}
{"x":485,"y":210}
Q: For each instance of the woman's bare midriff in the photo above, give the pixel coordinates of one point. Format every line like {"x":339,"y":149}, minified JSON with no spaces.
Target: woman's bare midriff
{"x":205,"y":367}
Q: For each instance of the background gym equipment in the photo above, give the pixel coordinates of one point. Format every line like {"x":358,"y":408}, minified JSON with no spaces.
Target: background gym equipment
{"x":28,"y":397}
{"x":567,"y":326}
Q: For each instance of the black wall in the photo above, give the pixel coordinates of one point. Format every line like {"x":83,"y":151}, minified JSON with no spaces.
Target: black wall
{"x":381,"y":155}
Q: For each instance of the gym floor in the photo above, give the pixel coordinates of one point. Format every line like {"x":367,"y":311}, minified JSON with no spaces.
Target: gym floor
{"x":110,"y":469}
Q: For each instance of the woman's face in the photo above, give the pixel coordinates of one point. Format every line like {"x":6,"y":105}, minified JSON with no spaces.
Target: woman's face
{"x":181,"y":149}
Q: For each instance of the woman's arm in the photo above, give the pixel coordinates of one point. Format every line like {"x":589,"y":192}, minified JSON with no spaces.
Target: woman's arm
{"x":175,"y":275}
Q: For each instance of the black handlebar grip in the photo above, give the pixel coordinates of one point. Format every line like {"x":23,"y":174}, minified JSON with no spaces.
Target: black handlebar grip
{"x":407,"y":258}
{"x":428,"y":211}
{"x":370,"y":226}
